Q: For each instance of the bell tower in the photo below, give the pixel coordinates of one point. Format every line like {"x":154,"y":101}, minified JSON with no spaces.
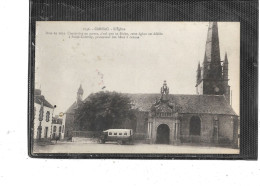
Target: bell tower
{"x":212,"y":77}
{"x":80,"y":94}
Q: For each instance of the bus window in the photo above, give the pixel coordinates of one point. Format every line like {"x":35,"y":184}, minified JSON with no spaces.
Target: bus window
{"x":120,"y":133}
{"x":125,"y":133}
{"x":130,"y":132}
{"x":115,"y":133}
{"x":110,"y":133}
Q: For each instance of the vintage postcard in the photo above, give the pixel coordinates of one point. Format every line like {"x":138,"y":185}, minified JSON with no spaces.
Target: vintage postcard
{"x":137,"y":87}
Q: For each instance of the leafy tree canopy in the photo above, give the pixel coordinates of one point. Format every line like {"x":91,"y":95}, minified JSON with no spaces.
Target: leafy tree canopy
{"x":105,"y":110}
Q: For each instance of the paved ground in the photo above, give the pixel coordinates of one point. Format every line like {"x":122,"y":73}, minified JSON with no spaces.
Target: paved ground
{"x":70,"y":147}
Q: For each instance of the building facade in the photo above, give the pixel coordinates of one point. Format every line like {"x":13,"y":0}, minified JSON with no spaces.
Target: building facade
{"x":45,"y":125}
{"x":43,"y":111}
{"x":57,"y":128}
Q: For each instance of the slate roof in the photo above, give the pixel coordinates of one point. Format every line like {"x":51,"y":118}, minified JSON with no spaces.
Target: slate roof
{"x":39,"y":99}
{"x":201,"y":104}
{"x":210,"y":104}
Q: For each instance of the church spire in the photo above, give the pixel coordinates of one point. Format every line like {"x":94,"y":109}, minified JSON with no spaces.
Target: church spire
{"x":80,"y":94}
{"x":225,"y":67}
{"x":198,"y":73}
{"x":80,"y":90}
{"x":214,"y":76}
{"x":225,"y":78}
{"x":212,"y":63}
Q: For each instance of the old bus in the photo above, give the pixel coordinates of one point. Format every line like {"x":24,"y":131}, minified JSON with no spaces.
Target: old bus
{"x":122,"y":136}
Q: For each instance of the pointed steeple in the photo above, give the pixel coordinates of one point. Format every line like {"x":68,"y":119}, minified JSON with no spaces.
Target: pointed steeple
{"x":214,"y":74}
{"x":198,"y":73}
{"x":225,"y":67}
{"x":211,"y":63}
{"x":226,"y":59}
{"x":198,"y":69}
{"x":80,"y":90}
{"x":225,"y":79}
{"x":80,"y":94}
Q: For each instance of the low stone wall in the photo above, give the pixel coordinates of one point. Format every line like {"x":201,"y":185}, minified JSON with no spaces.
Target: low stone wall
{"x":84,"y":140}
{"x":86,"y":134}
{"x":140,"y":136}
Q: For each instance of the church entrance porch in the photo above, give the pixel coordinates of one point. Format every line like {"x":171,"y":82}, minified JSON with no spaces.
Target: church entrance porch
{"x":163,"y":134}
{"x":164,"y":120}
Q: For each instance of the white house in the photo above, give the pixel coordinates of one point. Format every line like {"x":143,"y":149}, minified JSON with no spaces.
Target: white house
{"x":45,"y":125}
{"x":58,"y":127}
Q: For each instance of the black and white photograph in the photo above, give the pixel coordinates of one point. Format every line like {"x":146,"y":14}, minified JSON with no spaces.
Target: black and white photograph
{"x":129,"y":92}
{"x":137,"y":87}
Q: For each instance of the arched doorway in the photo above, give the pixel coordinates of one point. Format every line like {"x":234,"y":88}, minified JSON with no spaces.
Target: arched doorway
{"x":195,"y":129}
{"x":163,"y":134}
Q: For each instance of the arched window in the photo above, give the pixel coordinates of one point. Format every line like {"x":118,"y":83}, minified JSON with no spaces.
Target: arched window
{"x":195,"y":126}
{"x":54,"y":129}
{"x":47,"y":116}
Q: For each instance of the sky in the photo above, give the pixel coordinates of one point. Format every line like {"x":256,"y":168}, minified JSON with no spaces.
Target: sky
{"x":127,"y":65}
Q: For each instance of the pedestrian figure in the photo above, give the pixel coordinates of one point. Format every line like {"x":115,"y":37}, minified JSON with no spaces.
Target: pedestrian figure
{"x":57,"y":138}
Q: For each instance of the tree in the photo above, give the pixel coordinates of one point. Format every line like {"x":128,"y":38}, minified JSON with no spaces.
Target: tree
{"x":104,"y":110}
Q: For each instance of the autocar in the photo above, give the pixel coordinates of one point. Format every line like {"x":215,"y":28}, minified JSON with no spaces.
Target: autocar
{"x":121,"y":136}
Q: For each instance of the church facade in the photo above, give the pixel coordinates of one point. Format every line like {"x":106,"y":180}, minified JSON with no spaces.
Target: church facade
{"x":173,"y":119}
{"x":203,"y":118}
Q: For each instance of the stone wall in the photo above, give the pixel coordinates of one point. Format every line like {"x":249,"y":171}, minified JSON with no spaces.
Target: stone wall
{"x":69,"y":125}
{"x":226,"y":128}
{"x":141,"y":122}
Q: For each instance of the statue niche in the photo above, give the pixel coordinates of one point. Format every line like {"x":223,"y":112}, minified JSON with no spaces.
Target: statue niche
{"x":164,"y":92}
{"x":162,"y":107}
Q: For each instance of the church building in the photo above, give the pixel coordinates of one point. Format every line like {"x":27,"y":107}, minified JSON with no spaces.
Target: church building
{"x":203,"y":118}
{"x":70,"y":113}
